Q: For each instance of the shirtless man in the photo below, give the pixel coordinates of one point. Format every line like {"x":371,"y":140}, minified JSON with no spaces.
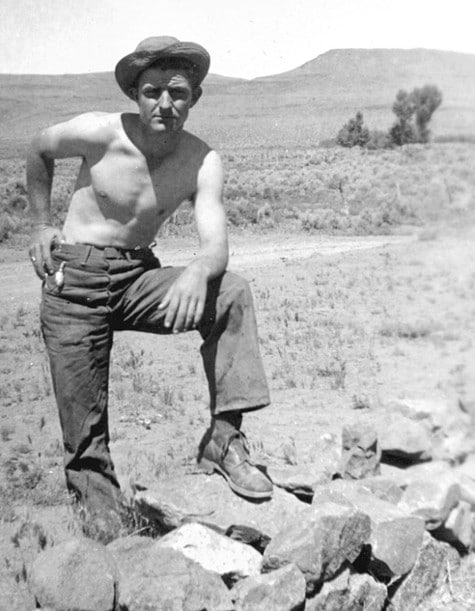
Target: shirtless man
{"x":100,"y":275}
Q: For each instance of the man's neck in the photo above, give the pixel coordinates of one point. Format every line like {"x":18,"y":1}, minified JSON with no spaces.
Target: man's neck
{"x":160,"y":144}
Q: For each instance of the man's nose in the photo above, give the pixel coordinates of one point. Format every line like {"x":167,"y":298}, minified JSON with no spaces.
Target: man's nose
{"x":165,"y":100}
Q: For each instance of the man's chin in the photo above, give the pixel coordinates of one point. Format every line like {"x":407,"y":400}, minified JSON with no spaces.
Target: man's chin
{"x":165,"y":126}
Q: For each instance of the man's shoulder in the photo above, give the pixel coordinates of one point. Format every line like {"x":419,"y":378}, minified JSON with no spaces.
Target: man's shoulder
{"x":98,"y":125}
{"x":96,"y":120}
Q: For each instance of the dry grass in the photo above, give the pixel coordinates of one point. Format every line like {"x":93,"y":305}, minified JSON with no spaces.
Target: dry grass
{"x":338,"y":191}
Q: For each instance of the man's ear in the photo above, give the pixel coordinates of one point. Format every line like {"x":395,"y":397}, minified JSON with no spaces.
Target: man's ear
{"x":133,"y":93}
{"x":196,"y":95}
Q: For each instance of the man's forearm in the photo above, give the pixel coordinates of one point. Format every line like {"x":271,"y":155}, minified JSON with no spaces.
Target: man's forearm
{"x":214,"y":260}
{"x":39,"y":177}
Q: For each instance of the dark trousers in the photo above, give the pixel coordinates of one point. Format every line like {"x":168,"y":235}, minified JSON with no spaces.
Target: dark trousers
{"x":107,"y":290}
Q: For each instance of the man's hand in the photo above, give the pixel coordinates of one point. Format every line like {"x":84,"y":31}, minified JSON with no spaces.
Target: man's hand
{"x":41,"y":243}
{"x":185,"y":299}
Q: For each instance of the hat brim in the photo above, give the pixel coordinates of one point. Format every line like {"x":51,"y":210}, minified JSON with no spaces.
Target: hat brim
{"x":130,"y":67}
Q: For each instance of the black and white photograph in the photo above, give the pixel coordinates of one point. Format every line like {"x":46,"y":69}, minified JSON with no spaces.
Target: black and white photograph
{"x":237,"y":322}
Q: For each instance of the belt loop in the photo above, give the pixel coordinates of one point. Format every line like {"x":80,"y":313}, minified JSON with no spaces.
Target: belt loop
{"x":127,"y":255}
{"x":86,"y":255}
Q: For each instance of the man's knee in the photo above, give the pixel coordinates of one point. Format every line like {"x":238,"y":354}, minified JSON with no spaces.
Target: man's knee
{"x":237,"y":288}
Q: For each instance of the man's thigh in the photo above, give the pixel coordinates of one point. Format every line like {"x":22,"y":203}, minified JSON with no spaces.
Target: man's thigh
{"x":139,"y":307}
{"x":140,"y":310}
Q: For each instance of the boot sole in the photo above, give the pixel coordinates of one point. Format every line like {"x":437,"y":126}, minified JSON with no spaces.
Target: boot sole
{"x":209,"y":467}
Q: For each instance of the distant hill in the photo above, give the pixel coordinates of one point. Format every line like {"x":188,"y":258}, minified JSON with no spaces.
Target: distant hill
{"x":295,"y":108}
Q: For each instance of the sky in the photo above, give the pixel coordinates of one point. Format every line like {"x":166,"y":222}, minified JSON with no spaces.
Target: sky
{"x":246,"y":38}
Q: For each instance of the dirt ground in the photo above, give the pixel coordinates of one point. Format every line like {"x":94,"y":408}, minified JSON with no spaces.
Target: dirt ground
{"x":345,"y":324}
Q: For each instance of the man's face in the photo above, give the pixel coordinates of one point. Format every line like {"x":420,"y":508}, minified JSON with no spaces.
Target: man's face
{"x":164,"y":98}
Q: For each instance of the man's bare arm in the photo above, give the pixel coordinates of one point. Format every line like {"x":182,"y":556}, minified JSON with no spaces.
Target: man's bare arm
{"x":70,"y":139}
{"x":186,"y":298}
{"x":210,"y":217}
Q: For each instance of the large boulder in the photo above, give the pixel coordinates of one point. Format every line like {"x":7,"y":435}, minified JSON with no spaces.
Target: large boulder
{"x":445,"y":419}
{"x":382,"y":487}
{"x":432,"y":499}
{"x":157,"y":578}
{"x":215,"y":552}
{"x":76,"y":574}
{"x":280,"y":590}
{"x":396,"y":536}
{"x":319,"y":542}
{"x":433,"y":562}
{"x":348,"y":592}
{"x":401,"y":438}
{"x":209,"y":500}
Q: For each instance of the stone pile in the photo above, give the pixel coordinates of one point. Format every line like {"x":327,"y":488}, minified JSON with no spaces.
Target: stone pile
{"x":383,"y":526}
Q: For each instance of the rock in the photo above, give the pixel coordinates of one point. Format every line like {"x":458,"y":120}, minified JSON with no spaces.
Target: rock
{"x":348,"y":592}
{"x":440,"y":412}
{"x":209,"y":500}
{"x":333,"y":595}
{"x":156,"y":578}
{"x":455,"y":446}
{"x":215,"y":552}
{"x":464,"y":474}
{"x":132,"y":543}
{"x":248,"y":535}
{"x":76,"y":574}
{"x":319,"y":542}
{"x":298,"y":479}
{"x":402,"y":438}
{"x":361,"y":454}
{"x":279,"y":590}
{"x":367,"y":593}
{"x":432,"y":499}
{"x":384,"y":488}
{"x":429,"y":571}
{"x":395,"y":537}
{"x":467,"y":467}
{"x":467,"y":487}
{"x":457,"y":528}
{"x":312,"y":465}
{"x":425,"y":470}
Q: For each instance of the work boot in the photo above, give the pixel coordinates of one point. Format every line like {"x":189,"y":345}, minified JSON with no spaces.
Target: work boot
{"x":229,"y":455}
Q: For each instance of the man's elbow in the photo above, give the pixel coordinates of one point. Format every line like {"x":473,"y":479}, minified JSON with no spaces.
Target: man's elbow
{"x":39,"y":147}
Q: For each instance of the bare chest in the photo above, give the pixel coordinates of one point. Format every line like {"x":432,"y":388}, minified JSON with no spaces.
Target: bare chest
{"x":128,"y":187}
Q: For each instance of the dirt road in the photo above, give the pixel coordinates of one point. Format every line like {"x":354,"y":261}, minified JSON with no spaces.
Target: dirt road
{"x":21,"y":286}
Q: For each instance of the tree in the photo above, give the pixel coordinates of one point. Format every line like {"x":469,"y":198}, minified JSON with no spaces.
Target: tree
{"x":353,"y":133}
{"x":427,"y":100}
{"x":421,"y":103}
{"x":402,"y":132}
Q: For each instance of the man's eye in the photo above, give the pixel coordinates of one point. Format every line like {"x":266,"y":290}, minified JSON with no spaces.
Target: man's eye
{"x":178,"y":93}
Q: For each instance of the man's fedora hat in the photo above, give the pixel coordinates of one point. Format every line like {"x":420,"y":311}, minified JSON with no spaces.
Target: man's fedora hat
{"x":154,"y":48}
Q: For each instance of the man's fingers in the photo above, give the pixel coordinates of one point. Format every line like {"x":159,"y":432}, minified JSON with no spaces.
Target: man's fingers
{"x":191,"y":314}
{"x":200,"y":307}
{"x":36,"y":259}
{"x":171,"y":311}
{"x":181,"y":315}
{"x":166,"y":300}
{"x":47,"y":260}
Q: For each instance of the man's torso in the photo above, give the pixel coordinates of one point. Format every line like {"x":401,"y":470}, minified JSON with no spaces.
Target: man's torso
{"x":121,"y":196}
